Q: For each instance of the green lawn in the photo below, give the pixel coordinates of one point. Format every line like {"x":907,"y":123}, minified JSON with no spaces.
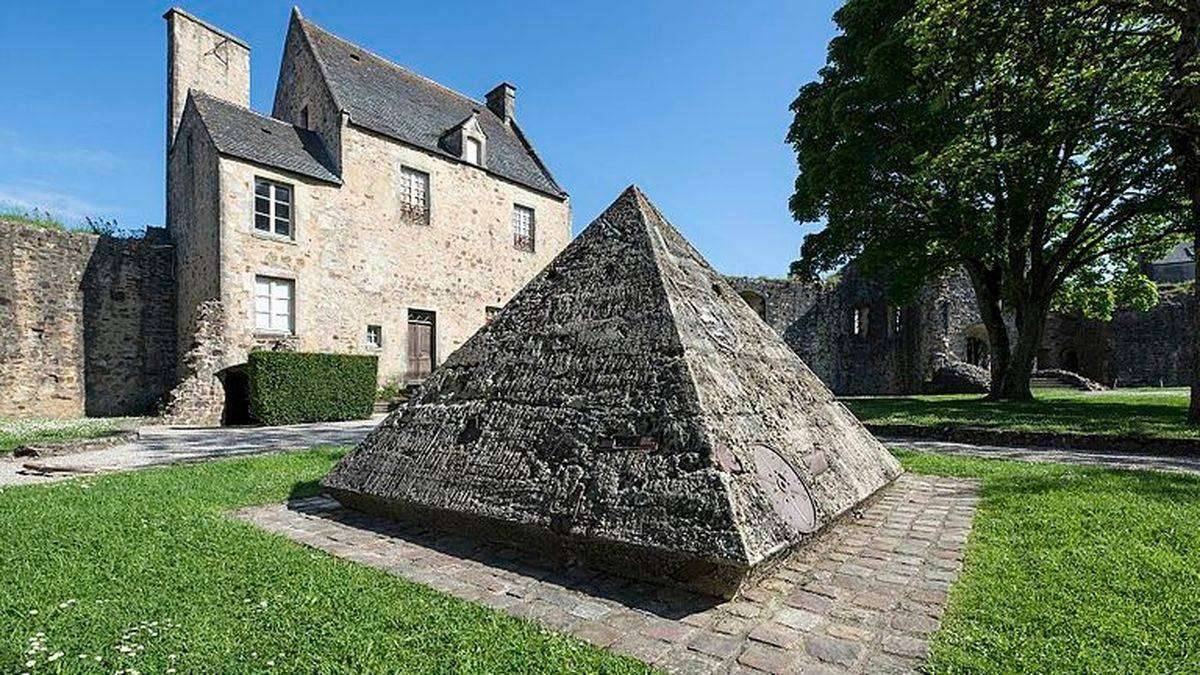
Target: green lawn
{"x":149,"y":562}
{"x":1157,"y":413}
{"x":1068,"y":569}
{"x":14,"y":433}
{"x":1073,"y":569}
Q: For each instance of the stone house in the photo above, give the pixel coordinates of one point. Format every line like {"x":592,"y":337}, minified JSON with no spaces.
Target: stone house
{"x":373,"y":211}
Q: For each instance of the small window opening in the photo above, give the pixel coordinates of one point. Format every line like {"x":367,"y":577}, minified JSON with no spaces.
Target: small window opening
{"x":375,"y":336}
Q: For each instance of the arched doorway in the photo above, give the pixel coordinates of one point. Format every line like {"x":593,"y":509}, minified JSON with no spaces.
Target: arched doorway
{"x":757,"y":302}
{"x":979,"y":353}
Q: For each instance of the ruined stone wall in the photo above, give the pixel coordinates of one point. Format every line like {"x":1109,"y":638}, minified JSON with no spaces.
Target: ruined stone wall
{"x":891,"y":356}
{"x":1151,"y":348}
{"x":86,"y":322}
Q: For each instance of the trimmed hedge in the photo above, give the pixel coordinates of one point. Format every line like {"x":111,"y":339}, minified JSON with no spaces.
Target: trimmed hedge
{"x":296,"y":387}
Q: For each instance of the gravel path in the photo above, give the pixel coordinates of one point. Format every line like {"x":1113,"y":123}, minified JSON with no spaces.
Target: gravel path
{"x":1117,"y":460}
{"x":159,"y":446}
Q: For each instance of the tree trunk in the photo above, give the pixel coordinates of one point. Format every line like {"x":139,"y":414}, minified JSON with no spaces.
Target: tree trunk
{"x":1194,"y":408}
{"x":1014,"y":385}
{"x":1184,"y":97}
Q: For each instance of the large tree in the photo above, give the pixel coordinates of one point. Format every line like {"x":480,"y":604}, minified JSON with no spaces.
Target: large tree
{"x":1002,"y":137}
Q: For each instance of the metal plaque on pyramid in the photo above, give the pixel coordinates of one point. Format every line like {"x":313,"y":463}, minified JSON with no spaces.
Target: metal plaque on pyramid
{"x":627,"y":410}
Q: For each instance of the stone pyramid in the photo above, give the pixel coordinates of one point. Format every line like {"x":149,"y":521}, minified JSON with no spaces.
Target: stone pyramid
{"x":629,"y":410}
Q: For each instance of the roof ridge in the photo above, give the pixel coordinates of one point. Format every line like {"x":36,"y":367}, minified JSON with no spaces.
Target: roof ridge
{"x":390,"y":62}
{"x":200,"y":93}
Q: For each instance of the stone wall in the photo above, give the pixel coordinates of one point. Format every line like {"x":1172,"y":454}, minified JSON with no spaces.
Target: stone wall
{"x":86,"y":322}
{"x":1151,"y":348}
{"x":896,"y":351}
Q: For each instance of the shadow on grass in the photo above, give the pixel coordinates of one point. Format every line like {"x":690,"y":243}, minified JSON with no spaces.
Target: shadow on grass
{"x":1082,"y":414}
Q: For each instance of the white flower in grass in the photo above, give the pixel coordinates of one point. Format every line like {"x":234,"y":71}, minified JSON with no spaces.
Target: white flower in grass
{"x":54,"y":657}
{"x":33,"y":612}
{"x":30,"y":663}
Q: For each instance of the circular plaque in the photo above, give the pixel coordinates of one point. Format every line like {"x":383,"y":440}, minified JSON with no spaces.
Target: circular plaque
{"x":787,"y":493}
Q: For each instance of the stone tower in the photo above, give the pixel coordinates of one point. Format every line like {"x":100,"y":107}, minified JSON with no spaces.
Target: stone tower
{"x":204,"y":57}
{"x":629,"y":409}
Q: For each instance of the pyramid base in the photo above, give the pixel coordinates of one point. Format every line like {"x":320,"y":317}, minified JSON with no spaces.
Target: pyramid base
{"x":626,"y":560}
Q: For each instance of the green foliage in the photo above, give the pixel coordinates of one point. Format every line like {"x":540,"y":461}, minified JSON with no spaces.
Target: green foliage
{"x":1015,"y":140}
{"x":296,"y":387}
{"x":389,"y":391}
{"x":157,"y":556}
{"x":33,"y":218}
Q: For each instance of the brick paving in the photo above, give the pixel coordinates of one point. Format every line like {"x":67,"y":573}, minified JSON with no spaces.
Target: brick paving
{"x":863,"y":597}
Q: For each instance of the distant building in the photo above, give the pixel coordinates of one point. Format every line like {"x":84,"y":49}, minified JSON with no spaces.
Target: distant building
{"x":1175,"y":267}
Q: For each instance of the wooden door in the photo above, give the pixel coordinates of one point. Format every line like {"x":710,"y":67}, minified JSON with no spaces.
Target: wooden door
{"x":421,"y":333}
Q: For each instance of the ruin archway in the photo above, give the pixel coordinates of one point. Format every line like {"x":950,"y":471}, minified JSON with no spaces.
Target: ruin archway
{"x":757,"y":303}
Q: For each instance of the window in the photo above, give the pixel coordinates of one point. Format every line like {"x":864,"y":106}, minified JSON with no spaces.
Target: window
{"x":375,"y":337}
{"x":273,"y":305}
{"x":861,"y":314}
{"x":422,"y":341}
{"x":273,"y":207}
{"x":474,"y":151}
{"x":304,"y":117}
{"x":489,"y":315}
{"x":896,"y":321}
{"x":523,"y":228}
{"x":414,"y":196}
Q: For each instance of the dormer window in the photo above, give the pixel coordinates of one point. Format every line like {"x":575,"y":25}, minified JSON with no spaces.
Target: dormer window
{"x":467,"y":141}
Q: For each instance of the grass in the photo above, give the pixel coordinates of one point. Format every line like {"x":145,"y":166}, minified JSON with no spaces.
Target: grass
{"x":1073,"y":569}
{"x":1068,"y":569}
{"x":151,"y":562}
{"x":34,"y":218}
{"x":1151,"y":413}
{"x":15,"y":433}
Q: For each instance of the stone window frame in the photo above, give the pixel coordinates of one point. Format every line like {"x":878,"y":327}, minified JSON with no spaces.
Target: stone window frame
{"x":521,"y":242}
{"x":273,"y":187}
{"x":290,"y":282}
{"x":376,"y":342}
{"x":408,"y":213}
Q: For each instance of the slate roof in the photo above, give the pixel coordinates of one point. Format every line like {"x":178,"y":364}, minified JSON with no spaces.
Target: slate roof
{"x":390,"y":100}
{"x":1182,"y":253}
{"x":242,"y":133}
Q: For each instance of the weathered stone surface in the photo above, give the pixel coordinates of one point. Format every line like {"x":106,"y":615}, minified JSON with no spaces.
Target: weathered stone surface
{"x":200,"y":397}
{"x":958,"y":377}
{"x":86,"y":322}
{"x":628,"y":408}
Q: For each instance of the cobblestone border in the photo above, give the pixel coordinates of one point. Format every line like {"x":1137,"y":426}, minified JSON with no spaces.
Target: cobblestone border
{"x":864,"y":597}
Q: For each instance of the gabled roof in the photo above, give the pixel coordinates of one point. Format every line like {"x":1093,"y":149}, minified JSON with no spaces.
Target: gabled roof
{"x":390,"y":100}
{"x":242,"y":133}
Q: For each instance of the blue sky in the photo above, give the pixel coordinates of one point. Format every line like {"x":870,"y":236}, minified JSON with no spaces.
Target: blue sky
{"x":687,"y":99}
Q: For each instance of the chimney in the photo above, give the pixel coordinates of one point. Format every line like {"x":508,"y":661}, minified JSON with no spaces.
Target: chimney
{"x":502,"y":100}
{"x":204,"y":57}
